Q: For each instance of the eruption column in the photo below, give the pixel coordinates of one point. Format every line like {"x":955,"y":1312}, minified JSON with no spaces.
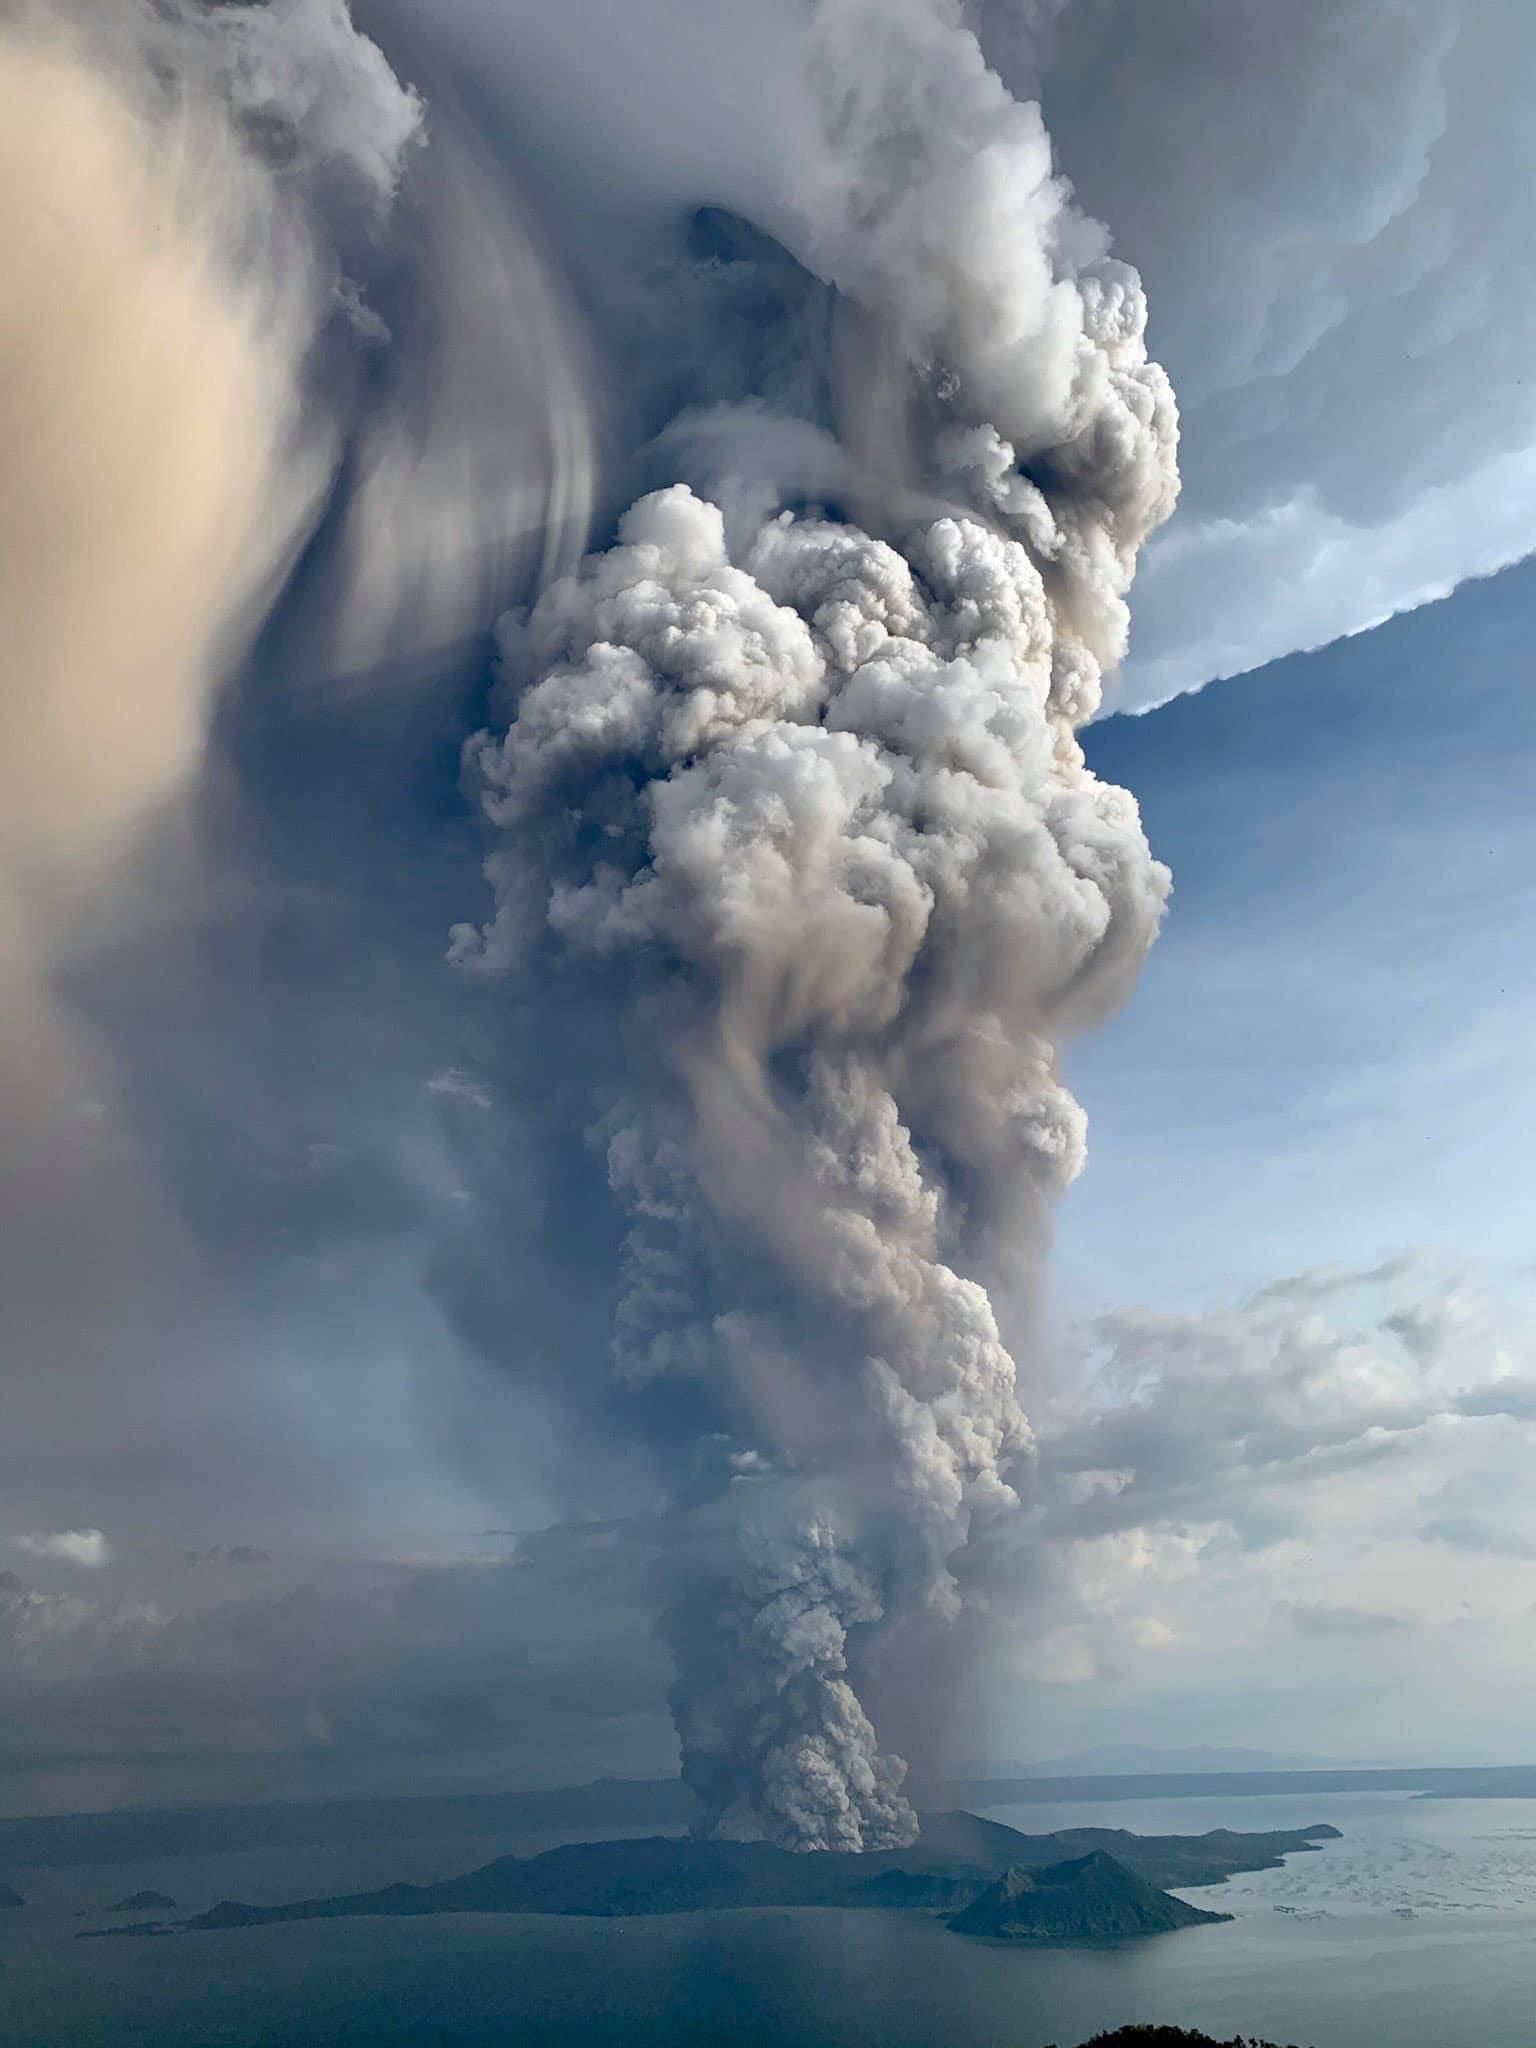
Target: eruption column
{"x":807,"y":805}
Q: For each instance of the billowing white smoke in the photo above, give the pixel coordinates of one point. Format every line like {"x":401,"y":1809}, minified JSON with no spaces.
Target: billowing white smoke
{"x":773,"y":1736}
{"x":808,"y":807}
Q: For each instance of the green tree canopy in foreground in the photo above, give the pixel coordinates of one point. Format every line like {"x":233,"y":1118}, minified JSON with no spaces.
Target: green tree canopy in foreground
{"x":1169,"y":2037}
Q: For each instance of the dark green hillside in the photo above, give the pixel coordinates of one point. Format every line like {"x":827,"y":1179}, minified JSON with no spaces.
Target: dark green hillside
{"x":956,"y":1859}
{"x":1088,"y":1899}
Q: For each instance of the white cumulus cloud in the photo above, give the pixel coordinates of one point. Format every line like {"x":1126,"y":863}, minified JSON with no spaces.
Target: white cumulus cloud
{"x":88,"y":1548}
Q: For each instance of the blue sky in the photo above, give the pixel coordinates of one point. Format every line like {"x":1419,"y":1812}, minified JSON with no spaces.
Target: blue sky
{"x":1320,"y":1094}
{"x":1326,"y":1057}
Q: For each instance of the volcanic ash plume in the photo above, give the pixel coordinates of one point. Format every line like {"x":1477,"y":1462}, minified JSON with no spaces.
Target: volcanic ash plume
{"x":805,"y":807}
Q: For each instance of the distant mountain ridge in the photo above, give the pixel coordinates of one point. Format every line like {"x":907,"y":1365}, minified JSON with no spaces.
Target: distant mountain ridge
{"x":1136,"y":1760}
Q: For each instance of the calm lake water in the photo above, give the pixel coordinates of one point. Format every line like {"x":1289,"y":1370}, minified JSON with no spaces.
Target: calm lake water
{"x":1418,"y":1930}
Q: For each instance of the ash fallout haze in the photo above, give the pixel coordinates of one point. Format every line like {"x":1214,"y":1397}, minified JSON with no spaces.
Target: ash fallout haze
{"x":568,"y":818}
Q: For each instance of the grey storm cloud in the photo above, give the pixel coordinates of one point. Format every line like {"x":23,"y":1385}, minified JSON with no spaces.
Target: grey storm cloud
{"x":1248,"y":1474}
{"x":1225,"y":1415}
{"x":1323,"y":1284}
{"x":1512,"y":1395}
{"x":1424,"y":1328}
{"x":1343,"y":301}
{"x":564,"y":1649}
{"x":557,"y":1646}
{"x":1343,"y":1624}
{"x":1482,"y":1538}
